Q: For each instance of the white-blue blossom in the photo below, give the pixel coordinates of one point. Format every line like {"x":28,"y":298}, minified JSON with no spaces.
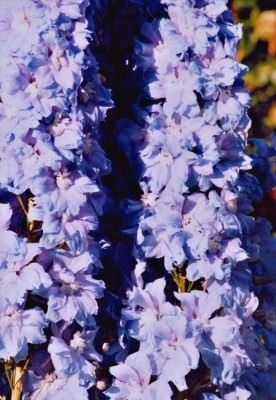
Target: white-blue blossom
{"x":18,"y":328}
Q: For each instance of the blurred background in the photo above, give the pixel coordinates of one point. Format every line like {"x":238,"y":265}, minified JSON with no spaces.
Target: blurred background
{"x":258,"y":51}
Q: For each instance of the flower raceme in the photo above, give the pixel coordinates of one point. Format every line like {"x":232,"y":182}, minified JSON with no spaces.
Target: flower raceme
{"x":191,"y":312}
{"x":194,"y":223}
{"x":50,"y":198}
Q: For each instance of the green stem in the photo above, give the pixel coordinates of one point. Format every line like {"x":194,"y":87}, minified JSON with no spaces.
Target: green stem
{"x":8,"y":375}
{"x":191,"y":284}
{"x":17,"y":386}
{"x":180,"y":281}
{"x":24,"y":368}
{"x":20,"y":201}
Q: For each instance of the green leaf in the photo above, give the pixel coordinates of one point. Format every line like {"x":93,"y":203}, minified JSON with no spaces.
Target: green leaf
{"x":245,"y":3}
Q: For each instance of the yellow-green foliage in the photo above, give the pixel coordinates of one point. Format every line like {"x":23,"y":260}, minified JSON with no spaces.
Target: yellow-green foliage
{"x":258,"y":50}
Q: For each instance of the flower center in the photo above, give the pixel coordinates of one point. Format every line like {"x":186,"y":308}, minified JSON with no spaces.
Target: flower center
{"x":77,"y":343}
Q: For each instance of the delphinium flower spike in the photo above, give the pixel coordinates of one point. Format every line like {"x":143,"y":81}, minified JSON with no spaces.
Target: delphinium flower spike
{"x":52,"y":102}
{"x":189,"y":132}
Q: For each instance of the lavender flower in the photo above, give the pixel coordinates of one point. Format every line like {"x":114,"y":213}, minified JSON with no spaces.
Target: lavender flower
{"x":18,"y":328}
{"x":75,"y":358}
{"x":19,"y":277}
{"x":48,"y":256}
{"x":133,"y":380}
{"x":12,"y":248}
{"x":73,"y":295}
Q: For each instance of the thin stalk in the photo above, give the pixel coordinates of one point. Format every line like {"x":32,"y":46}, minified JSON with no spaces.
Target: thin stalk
{"x":7,"y":372}
{"x":180,"y":281}
{"x":17,"y":386}
{"x":191,"y":284}
{"x":24,"y":368}
{"x":20,"y":201}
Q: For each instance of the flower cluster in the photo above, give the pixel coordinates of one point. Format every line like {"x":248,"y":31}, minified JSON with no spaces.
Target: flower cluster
{"x":52,"y":102}
{"x":197,"y":325}
{"x":171,"y":293}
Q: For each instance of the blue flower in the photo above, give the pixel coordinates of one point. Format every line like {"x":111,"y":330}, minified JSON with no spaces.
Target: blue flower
{"x":77,"y":358}
{"x":19,"y":277}
{"x":25,"y":24}
{"x":53,"y":387}
{"x":18,"y":328}
{"x":12,"y":247}
{"x":73,"y":295}
{"x":72,"y":9}
{"x":133,"y":380}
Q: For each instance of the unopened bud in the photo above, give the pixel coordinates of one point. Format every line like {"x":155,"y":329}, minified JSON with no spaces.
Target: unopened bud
{"x":105,"y":347}
{"x":101,"y":385}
